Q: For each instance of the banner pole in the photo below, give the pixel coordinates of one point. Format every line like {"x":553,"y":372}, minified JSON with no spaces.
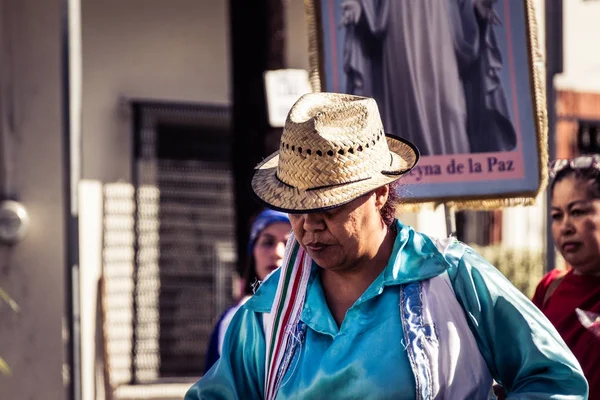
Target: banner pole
{"x":450,"y":218}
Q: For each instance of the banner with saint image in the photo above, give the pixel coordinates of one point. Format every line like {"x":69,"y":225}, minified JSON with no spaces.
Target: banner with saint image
{"x":461,"y":79}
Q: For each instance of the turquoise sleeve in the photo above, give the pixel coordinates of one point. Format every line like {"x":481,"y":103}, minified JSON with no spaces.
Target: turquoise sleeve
{"x":239,"y":373}
{"x":520,"y":346}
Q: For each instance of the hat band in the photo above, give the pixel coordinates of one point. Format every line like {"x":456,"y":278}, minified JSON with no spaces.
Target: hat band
{"x":346,"y":182}
{"x":324,"y":186}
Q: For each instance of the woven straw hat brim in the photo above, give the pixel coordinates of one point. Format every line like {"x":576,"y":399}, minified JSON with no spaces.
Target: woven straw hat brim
{"x":279,"y":196}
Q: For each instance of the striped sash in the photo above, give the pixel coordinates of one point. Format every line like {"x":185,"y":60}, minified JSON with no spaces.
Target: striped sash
{"x":285,"y":313}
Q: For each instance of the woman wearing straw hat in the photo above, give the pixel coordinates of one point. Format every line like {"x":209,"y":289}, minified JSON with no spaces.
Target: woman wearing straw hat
{"x":365,"y":307}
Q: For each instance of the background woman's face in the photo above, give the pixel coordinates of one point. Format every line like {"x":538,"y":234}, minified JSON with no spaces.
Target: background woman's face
{"x":269,"y":248}
{"x":576,"y":224}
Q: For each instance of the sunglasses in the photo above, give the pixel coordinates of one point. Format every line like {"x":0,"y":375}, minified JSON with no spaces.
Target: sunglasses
{"x":581,"y":162}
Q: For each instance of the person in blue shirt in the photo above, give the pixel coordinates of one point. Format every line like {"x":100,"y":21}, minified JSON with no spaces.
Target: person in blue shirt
{"x":268,"y":235}
{"x":364,"y":307}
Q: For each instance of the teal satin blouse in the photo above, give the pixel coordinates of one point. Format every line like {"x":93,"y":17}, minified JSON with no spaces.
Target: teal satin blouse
{"x":366,"y":357}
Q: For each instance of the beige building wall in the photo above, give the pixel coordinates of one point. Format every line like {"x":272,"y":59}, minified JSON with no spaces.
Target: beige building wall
{"x":33,"y":270}
{"x":296,"y":35}
{"x":176,"y":50}
{"x":166,"y":51}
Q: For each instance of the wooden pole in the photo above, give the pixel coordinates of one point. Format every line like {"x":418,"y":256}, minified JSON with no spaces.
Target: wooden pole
{"x":257,"y":45}
{"x":553,"y":15}
{"x":450,"y":218}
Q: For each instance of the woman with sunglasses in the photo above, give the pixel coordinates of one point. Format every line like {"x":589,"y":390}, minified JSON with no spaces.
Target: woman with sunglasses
{"x":571,"y":299}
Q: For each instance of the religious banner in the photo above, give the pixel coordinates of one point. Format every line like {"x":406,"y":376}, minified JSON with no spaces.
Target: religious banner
{"x":462,"y":79}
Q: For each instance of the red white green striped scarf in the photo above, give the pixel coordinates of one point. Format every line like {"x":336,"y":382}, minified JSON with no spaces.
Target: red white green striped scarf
{"x":285,"y":312}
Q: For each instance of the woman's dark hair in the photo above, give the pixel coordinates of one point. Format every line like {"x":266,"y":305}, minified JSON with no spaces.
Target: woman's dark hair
{"x":591,"y":176}
{"x":388,"y":211}
{"x":250,"y":278}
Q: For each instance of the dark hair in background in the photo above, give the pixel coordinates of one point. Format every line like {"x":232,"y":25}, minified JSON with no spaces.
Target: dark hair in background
{"x":250,"y":278}
{"x":388,"y":211}
{"x":591,"y":176}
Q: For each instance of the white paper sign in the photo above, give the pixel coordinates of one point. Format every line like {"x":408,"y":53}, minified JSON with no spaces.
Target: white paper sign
{"x":283,"y":88}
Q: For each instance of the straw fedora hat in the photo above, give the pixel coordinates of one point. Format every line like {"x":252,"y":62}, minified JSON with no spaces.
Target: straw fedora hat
{"x":333,"y":150}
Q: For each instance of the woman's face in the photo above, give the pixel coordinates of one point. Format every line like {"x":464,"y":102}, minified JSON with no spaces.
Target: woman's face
{"x":340,"y":238}
{"x":269,"y":248}
{"x":576,"y":224}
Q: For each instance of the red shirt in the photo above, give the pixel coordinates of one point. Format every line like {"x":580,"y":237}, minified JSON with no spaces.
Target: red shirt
{"x":574,"y":309}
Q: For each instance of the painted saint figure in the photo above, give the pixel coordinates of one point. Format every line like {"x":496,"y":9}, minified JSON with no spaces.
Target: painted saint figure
{"x":434,"y":68}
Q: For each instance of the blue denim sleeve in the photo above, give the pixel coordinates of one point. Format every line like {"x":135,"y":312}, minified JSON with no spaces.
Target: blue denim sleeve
{"x":522,"y":349}
{"x":212,"y":351}
{"x":239,"y":373}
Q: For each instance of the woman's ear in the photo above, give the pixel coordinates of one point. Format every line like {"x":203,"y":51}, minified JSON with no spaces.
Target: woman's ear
{"x":381,"y":196}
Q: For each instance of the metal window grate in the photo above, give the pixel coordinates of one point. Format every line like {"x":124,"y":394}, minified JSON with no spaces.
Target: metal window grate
{"x":169,"y":244}
{"x":196,"y":229}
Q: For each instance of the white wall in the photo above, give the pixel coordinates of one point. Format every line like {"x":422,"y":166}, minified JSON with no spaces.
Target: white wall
{"x":146,"y":49}
{"x":90,"y":247}
{"x":581,"y":55}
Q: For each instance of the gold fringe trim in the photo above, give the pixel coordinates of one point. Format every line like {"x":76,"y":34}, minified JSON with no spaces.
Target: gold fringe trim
{"x":315,"y":43}
{"x":486,"y":204}
{"x":538,"y":87}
